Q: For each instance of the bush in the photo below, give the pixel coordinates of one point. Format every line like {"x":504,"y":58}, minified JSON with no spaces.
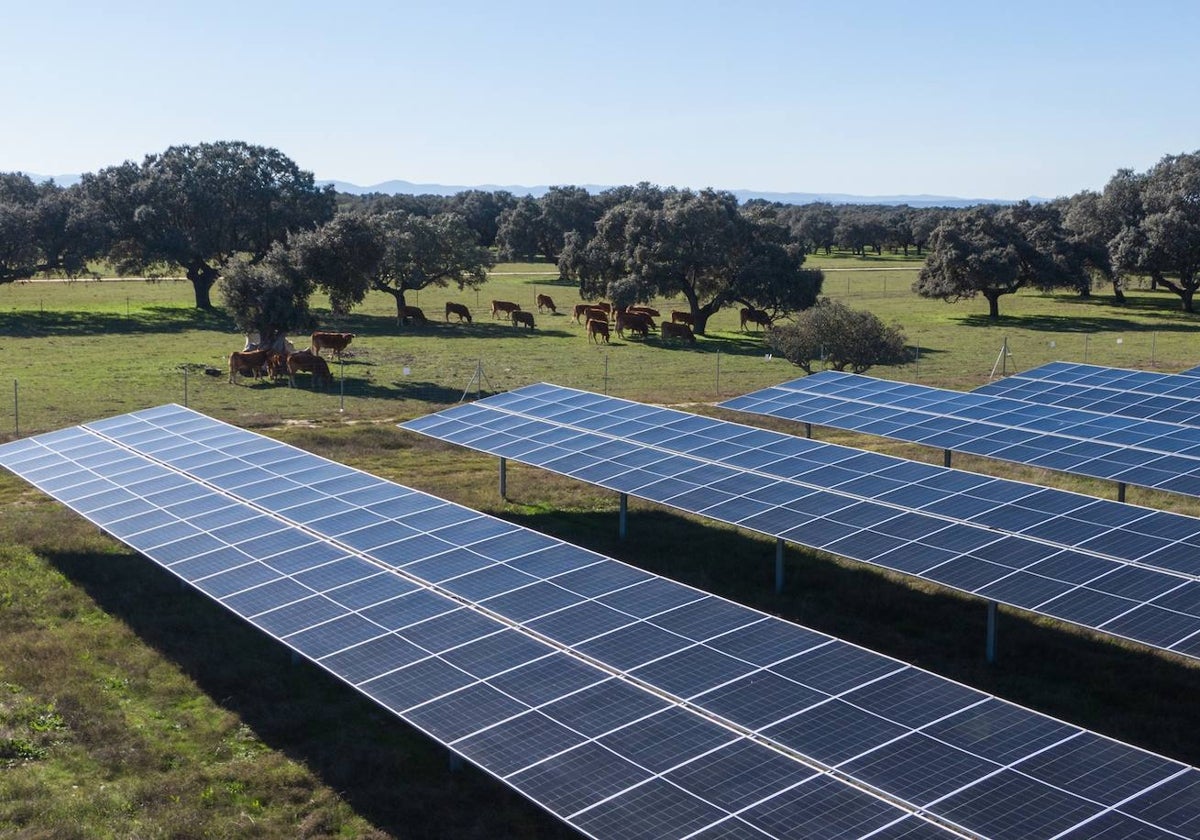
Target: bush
{"x":839,"y":337}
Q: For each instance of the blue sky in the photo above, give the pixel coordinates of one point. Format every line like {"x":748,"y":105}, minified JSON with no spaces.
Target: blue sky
{"x":995,"y":100}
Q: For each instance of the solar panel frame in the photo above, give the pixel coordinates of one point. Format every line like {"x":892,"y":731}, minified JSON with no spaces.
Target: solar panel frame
{"x":1167,"y":397}
{"x":1146,"y":453}
{"x":409,"y":672}
{"x":963,"y":521}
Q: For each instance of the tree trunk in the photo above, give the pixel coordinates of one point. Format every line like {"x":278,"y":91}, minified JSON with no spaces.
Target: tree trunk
{"x":993,"y":299}
{"x":203,"y":276}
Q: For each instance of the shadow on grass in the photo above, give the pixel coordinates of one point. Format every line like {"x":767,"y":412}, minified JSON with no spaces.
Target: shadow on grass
{"x":153,"y":319}
{"x":1075,"y":324}
{"x":389,"y":773}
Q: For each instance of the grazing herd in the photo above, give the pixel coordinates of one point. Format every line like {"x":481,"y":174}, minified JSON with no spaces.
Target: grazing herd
{"x":281,"y":359}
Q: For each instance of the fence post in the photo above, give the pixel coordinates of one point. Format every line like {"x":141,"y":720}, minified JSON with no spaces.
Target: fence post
{"x":16,"y":411}
{"x":185,"y":386}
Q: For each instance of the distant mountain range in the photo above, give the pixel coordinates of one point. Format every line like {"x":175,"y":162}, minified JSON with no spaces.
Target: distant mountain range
{"x":410,"y":188}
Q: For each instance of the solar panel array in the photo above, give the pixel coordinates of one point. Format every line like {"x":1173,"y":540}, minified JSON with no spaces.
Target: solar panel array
{"x":624,"y":703}
{"x":1123,"y":570}
{"x":1169,"y":397}
{"x":1147,"y":453}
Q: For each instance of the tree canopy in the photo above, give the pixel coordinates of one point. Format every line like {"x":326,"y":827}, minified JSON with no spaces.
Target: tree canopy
{"x":697,"y":245}
{"x":839,"y":337}
{"x":992,"y":252}
{"x":199,"y":207}
{"x":45,"y":228}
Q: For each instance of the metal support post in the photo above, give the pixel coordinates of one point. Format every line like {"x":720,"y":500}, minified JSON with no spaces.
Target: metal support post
{"x":504,"y":478}
{"x":185,"y":386}
{"x":1120,"y":491}
{"x":808,"y":430}
{"x":946,"y":458}
{"x":623,"y":516}
{"x":778,"y":565}
{"x":991,"y":632}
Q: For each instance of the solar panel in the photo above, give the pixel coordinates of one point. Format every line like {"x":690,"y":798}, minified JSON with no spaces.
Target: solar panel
{"x":1147,"y":453}
{"x":1168,"y":397}
{"x":662,"y":748}
{"x":1121,"y":569}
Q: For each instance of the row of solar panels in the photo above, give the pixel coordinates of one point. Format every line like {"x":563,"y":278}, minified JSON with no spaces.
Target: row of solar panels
{"x":1125,"y":570}
{"x":624,"y":703}
{"x":1137,"y":451}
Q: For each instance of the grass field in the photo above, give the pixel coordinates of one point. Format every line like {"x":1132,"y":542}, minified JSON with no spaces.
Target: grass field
{"x":130,"y":707}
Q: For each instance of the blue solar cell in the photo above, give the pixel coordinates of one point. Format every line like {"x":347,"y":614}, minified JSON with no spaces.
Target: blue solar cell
{"x":759,"y":699}
{"x":449,"y":630}
{"x":999,"y":731}
{"x":692,"y":670}
{"x":408,"y":609}
{"x":340,"y":633}
{"x":578,"y":778}
{"x":650,"y":597}
{"x":739,"y":774}
{"x":290,"y":618}
{"x":919,"y":769}
{"x":667,"y":739}
{"x":1174,"y":805}
{"x":412,"y":685}
{"x":498,"y":652}
{"x":519,"y":742}
{"x":987,"y":807}
{"x":629,"y":647}
{"x":603,"y":707}
{"x":464,"y":712}
{"x":820,"y":809}
{"x":769,"y":641}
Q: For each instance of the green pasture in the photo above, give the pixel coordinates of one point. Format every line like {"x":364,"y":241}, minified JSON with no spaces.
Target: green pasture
{"x":81,"y":350}
{"x":131,"y":707}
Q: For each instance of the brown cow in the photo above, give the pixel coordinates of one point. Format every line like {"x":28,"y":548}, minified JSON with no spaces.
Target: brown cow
{"x":414,"y":314}
{"x":645,"y":310}
{"x":519,"y":318}
{"x":681,"y":331}
{"x":330,"y":340}
{"x":458,"y":309}
{"x":247,"y":363}
{"x":634,"y":322}
{"x":580,"y":310}
{"x":678,"y":317}
{"x":754,"y":316}
{"x":504,"y":307}
{"x":594,"y":313}
{"x":277,"y":366}
{"x":544,"y":302}
{"x":595,"y":328}
{"x":310,"y":362}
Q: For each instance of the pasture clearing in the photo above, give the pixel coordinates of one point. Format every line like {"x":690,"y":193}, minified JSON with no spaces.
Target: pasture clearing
{"x":91,"y":349}
{"x":131,"y":706}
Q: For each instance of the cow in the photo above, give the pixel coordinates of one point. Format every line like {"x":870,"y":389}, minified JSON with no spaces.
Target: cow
{"x":597,"y":328}
{"x":580,"y":310}
{"x":277,"y":365}
{"x":645,"y":310}
{"x":678,"y":317}
{"x":504,"y":307}
{"x":545,"y":302}
{"x":754,"y":316}
{"x":458,"y":309}
{"x":308,"y":361}
{"x":634,"y":322}
{"x":331,"y":341}
{"x":681,"y":331}
{"x":247,"y":363}
{"x":519,"y":318}
{"x":414,"y":314}
{"x":594,"y":313}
